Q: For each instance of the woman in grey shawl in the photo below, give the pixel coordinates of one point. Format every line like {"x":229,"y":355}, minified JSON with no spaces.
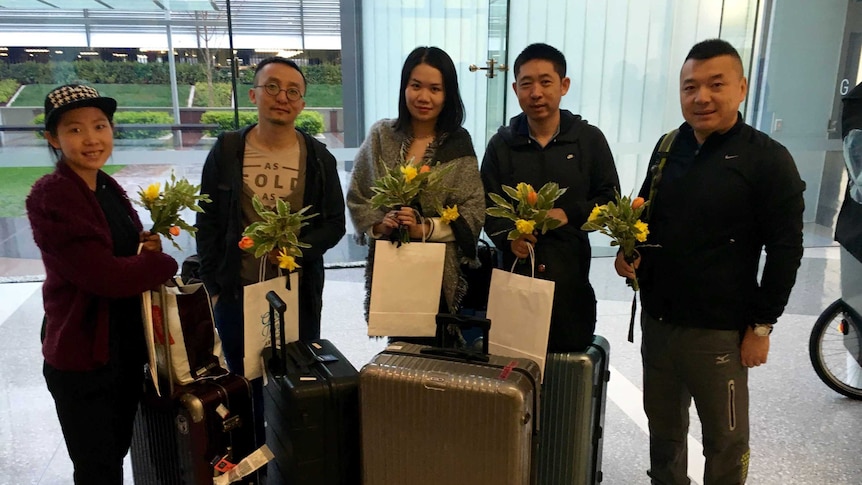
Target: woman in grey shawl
{"x":428,"y":128}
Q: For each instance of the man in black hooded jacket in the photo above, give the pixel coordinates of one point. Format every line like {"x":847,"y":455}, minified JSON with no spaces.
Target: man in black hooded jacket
{"x":546,"y":144}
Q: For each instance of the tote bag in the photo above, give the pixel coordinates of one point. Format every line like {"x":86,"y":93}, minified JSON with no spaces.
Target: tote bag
{"x":256,"y":318}
{"x":519,"y":308}
{"x":405,"y":289}
{"x":180,"y":332}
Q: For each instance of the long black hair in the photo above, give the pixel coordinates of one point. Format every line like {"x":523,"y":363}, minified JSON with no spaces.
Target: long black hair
{"x":452,"y":115}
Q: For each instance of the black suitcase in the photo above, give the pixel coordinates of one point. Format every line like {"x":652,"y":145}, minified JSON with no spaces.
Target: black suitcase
{"x":188,"y":437}
{"x":574,"y":395}
{"x":311,"y":409}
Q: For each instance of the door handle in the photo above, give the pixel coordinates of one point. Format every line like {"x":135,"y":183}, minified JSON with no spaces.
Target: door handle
{"x":493,"y":66}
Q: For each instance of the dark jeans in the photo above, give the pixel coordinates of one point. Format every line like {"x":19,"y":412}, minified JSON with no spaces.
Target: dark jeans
{"x":228,"y":316}
{"x":97,"y":411}
{"x":681,"y":363}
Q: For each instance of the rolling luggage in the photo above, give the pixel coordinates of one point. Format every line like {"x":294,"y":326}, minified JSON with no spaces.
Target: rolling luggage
{"x":574,"y":394}
{"x":193,"y":435}
{"x":445,"y":416}
{"x":311,"y":408}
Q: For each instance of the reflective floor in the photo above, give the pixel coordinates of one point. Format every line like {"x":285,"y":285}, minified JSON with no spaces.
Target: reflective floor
{"x":802,"y":432}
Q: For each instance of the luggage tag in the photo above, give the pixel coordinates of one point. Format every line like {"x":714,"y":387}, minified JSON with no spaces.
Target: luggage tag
{"x":222,"y":464}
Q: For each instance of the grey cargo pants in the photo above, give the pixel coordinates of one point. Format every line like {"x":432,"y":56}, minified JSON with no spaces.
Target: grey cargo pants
{"x":681,"y":363}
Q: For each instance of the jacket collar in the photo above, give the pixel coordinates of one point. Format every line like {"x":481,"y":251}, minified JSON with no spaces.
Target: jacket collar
{"x":518,"y":131}
{"x":714,"y":139}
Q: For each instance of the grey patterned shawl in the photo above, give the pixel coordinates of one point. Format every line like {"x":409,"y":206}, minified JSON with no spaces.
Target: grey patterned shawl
{"x":466,"y":190}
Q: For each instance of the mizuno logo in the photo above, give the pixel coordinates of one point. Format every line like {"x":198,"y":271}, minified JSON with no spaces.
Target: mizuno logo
{"x":722,"y":359}
{"x":730,"y":157}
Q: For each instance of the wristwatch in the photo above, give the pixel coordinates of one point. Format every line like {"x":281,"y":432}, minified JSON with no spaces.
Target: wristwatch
{"x":762,"y":329}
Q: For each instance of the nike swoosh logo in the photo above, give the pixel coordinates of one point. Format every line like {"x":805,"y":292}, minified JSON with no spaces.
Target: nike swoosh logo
{"x":730,"y":157}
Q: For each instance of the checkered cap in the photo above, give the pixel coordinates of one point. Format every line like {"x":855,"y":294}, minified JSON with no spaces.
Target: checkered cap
{"x":71,"y":96}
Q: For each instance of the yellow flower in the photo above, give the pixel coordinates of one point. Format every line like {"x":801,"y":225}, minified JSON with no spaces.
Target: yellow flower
{"x":152,"y":192}
{"x":643,"y":231}
{"x":595,"y":213}
{"x":409,"y":172}
{"x":524,"y":226}
{"x":286,"y":261}
{"x":449,"y":214}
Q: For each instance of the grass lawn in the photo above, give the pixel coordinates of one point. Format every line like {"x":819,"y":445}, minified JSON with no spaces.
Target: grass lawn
{"x":318,"y":96}
{"x":127,"y":95}
{"x":15,"y":183}
{"x":159,"y":95}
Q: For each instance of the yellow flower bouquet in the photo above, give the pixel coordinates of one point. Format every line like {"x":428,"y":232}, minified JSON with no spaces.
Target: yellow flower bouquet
{"x":404,"y":184}
{"x":620,"y":220}
{"x":530,"y":210}
{"x":277,"y":229}
{"x":165,"y":206}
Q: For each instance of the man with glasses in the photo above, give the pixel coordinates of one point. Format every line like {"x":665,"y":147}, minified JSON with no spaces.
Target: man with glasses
{"x":271,"y":160}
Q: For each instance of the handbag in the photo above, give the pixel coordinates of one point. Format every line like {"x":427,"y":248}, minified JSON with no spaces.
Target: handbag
{"x":405,"y":289}
{"x":256,"y":330}
{"x":519,"y":308}
{"x":180,"y":332}
{"x":479,"y":279}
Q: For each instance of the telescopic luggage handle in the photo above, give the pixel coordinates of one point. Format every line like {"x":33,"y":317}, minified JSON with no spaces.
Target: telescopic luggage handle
{"x":277,"y":305}
{"x":444,"y":321}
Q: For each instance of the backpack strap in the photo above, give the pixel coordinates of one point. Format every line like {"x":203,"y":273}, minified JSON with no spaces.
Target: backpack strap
{"x":230,"y":141}
{"x":662,"y":154}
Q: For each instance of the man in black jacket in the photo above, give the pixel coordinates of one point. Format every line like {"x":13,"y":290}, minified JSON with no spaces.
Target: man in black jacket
{"x":725,"y":192}
{"x":547,"y":144}
{"x":273,"y":160}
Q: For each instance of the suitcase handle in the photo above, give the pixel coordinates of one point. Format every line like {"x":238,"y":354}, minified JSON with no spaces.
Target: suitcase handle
{"x":444,"y":320}
{"x":276,"y":304}
{"x":465,"y":355}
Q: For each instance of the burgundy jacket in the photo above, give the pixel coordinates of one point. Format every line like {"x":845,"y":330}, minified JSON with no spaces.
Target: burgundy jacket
{"x":82,"y":273}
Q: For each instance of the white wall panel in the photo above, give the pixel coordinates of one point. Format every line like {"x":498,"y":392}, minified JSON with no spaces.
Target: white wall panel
{"x":391,"y":29}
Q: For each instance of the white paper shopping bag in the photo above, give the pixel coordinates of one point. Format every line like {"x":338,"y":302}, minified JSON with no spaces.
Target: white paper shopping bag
{"x":256,"y":319}
{"x":519,"y":308}
{"x":405,"y":289}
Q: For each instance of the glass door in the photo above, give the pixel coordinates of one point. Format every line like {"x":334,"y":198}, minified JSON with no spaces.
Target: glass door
{"x":497,"y":66}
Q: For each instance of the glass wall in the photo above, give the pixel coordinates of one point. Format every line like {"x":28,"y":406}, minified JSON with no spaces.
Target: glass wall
{"x":181,"y":72}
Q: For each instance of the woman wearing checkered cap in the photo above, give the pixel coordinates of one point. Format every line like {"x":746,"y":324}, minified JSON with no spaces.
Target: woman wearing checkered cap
{"x":89,"y":236}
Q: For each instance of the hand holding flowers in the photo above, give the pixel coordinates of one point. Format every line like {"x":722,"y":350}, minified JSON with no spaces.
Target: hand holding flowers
{"x":165,"y":206}
{"x":530,"y":212}
{"x":401,"y":188}
{"x":620,"y":220}
{"x":278,"y":230}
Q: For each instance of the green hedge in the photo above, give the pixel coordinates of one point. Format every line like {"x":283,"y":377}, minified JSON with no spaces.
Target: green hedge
{"x":310,"y":122}
{"x":130,"y":118}
{"x":97,"y":71}
{"x":8,"y":87}
{"x":221,"y":98}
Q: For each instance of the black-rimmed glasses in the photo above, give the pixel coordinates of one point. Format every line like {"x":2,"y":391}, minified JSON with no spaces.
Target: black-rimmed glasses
{"x":273,"y":89}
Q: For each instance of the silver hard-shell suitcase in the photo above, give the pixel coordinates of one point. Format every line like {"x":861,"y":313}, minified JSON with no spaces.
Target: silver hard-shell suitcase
{"x":440,"y":419}
{"x":574,"y":395}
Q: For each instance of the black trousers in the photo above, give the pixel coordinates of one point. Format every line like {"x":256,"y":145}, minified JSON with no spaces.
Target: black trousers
{"x":97,"y":412}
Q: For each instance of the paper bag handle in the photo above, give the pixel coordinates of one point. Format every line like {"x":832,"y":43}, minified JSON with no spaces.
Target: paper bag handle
{"x":532,"y":261}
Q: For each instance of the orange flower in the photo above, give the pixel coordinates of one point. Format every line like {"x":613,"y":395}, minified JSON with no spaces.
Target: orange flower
{"x":246,"y":242}
{"x":424,"y":169}
{"x":174,"y":230}
{"x":532,"y":198}
{"x":637,"y":202}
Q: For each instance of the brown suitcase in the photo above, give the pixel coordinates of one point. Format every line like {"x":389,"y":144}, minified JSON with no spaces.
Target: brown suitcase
{"x":433,"y":416}
{"x":180,"y":440}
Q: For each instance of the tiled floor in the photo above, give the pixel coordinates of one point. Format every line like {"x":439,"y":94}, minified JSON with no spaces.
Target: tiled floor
{"x":802,"y":432}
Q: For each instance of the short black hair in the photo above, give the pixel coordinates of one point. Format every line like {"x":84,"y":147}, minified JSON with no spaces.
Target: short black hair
{"x":452,"y":115}
{"x":279,"y":60}
{"x":542,"y":52}
{"x":710,"y":48}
